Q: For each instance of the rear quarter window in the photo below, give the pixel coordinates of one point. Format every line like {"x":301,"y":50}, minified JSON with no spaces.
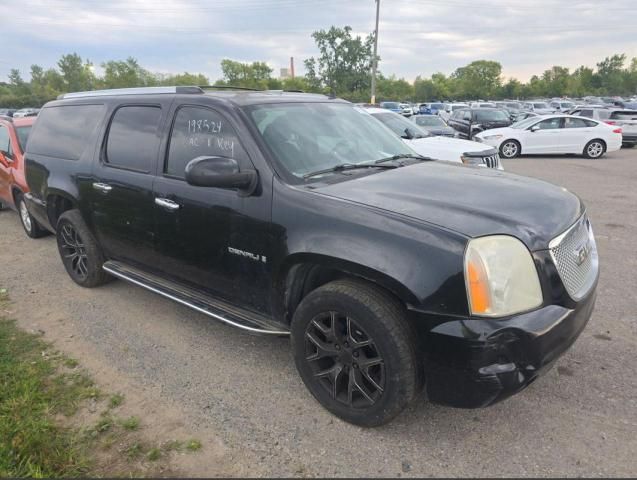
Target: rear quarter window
{"x":626,"y":115}
{"x":65,"y":131}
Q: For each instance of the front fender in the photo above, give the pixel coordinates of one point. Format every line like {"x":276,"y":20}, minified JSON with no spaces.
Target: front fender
{"x":421,"y":263}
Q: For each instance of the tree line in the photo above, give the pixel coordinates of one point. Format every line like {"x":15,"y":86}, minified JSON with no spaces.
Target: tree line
{"x":342,"y":68}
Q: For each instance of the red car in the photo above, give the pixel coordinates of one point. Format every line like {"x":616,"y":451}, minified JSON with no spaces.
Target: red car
{"x":13,"y":184}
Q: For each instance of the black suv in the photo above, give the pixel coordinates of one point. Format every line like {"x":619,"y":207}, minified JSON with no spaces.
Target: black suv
{"x":295,"y":214}
{"x":469,"y":121}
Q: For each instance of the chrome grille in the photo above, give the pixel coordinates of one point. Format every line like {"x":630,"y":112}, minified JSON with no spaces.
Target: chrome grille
{"x":574,"y":253}
{"x":492,"y":161}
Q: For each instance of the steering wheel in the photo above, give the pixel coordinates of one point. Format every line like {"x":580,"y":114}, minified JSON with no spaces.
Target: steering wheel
{"x":341,"y":149}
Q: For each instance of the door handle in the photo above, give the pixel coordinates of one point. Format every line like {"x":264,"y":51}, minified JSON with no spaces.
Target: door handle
{"x":103,"y":187}
{"x":166,"y":203}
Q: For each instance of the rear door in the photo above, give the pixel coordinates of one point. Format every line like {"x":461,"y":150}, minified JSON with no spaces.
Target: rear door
{"x":576,"y":134}
{"x":122,"y":188}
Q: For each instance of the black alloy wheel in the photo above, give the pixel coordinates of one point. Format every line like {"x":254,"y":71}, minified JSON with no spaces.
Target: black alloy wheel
{"x":345,"y":359}
{"x":73,"y":251}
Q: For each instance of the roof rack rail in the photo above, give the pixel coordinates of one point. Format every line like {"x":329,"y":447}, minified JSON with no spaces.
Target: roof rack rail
{"x":230,"y":87}
{"x":132,"y":91}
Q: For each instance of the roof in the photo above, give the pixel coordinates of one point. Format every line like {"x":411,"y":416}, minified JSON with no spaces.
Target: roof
{"x":238,"y":96}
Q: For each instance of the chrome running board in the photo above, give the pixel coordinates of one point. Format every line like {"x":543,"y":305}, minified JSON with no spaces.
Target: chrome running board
{"x":230,"y":315}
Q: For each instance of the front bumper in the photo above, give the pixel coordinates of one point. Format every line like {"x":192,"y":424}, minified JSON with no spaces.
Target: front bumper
{"x":474,"y":363}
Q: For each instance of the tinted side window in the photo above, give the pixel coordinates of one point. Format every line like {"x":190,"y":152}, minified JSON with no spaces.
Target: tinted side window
{"x":574,"y":123}
{"x":466,"y":115}
{"x":65,"y":132}
{"x":585,"y":113}
{"x":550,"y":124}
{"x":590,"y":123}
{"x":132,"y":138}
{"x":200,"y":132}
{"x":4,"y":140}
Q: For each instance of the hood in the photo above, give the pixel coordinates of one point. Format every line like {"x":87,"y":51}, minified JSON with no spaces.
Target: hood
{"x":468,"y":200}
{"x":445,"y":148}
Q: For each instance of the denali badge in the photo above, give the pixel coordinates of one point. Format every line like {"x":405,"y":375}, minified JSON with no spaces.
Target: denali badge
{"x":251,"y":256}
{"x":581,"y":254}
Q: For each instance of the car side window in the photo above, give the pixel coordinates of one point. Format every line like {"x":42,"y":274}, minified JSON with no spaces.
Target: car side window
{"x":133,"y":140}
{"x":466,"y":115}
{"x":585,"y":113}
{"x":5,"y":144}
{"x":201,"y":132}
{"x":550,"y":124}
{"x":590,"y":123}
{"x":574,"y":123}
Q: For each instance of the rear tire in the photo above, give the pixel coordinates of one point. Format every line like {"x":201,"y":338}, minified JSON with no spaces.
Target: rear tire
{"x":31,"y":226}
{"x":356,"y":352}
{"x":594,"y":149}
{"x":510,"y":149}
{"x":79,"y":251}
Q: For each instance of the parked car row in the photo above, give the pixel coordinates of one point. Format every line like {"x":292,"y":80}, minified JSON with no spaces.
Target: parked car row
{"x":303,"y":215}
{"x":23,"y":112}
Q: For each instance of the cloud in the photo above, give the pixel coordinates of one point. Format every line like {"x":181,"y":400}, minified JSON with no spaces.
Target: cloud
{"x":417,"y":37}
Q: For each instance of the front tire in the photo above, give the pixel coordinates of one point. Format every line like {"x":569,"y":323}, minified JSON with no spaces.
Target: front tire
{"x":30,"y":225}
{"x":594,"y":149}
{"x":356,"y":352}
{"x":510,"y":149}
{"x":80,"y":253}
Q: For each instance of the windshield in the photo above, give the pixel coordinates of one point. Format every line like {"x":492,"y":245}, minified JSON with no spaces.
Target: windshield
{"x":390,"y":105}
{"x":525,"y":123}
{"x":307,"y":137}
{"x":567,"y":105}
{"x":456,"y":107}
{"x":398,"y":124}
{"x":23,"y":135}
{"x":540,"y":105}
{"x":491,"y":116}
{"x":438,"y":106}
{"x":429,"y":121}
{"x":513,"y":105}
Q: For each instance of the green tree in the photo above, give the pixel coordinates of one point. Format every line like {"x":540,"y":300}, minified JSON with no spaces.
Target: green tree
{"x":126,"y":73}
{"x":556,"y":81}
{"x":344,"y":62}
{"x":249,"y":75}
{"x":77,"y":75}
{"x":479,"y":79}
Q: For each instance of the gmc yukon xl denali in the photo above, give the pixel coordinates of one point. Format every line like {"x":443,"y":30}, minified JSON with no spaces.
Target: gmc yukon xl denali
{"x":295,"y":214}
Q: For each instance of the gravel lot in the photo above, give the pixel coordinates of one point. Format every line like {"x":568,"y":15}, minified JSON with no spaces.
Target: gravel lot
{"x":579,"y":419}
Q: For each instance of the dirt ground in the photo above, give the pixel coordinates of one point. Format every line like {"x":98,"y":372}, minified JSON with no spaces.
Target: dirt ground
{"x":241,"y":396}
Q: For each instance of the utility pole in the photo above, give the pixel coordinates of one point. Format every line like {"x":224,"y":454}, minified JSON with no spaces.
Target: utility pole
{"x":374,"y":60}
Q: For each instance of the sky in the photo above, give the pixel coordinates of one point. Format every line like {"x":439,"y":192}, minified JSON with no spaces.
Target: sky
{"x":416,"y":37}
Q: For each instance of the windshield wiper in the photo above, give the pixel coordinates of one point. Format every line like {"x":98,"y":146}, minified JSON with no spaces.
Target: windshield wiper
{"x":401,"y":156}
{"x":347,"y":166}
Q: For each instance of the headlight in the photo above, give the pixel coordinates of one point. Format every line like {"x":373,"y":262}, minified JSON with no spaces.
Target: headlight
{"x":500,"y":277}
{"x":492,"y":137}
{"x":471,"y":160}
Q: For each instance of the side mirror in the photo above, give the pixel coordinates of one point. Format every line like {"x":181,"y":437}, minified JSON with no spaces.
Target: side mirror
{"x":534,"y":128}
{"x":221,"y":172}
{"x":409,"y":134}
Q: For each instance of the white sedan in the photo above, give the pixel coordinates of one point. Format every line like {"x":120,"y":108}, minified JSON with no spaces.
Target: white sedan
{"x":554,"y":134}
{"x":437,"y":147}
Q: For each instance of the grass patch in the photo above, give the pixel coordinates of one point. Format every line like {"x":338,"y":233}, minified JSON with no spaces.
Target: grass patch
{"x":193,"y":445}
{"x":153,"y":454}
{"x":38,"y":388}
{"x":31,"y":443}
{"x":131,"y":423}
{"x":115,"y":400}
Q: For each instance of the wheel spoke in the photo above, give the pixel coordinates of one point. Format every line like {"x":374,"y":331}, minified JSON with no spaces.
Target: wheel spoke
{"x":356,"y":343}
{"x":371,"y":380}
{"x":323,"y":349}
{"x":333,"y":375}
{"x":356,"y":385}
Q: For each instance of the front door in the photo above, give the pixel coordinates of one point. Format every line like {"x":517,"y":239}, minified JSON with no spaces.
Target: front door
{"x":212,"y":238}
{"x":121,"y":190}
{"x":546,"y":139}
